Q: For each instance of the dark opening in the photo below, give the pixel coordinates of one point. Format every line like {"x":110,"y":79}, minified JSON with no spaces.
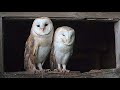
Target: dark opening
{"x":94,"y":46}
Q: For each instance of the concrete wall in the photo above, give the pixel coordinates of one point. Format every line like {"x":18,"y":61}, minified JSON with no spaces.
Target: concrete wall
{"x":110,"y":15}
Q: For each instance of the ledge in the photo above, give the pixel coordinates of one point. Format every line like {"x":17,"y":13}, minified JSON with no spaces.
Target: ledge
{"x":103,"y":73}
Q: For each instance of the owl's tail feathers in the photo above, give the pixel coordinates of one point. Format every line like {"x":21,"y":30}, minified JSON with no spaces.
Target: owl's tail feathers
{"x":53,"y":64}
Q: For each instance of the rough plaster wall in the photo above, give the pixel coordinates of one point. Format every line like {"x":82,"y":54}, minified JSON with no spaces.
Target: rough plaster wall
{"x":110,"y":15}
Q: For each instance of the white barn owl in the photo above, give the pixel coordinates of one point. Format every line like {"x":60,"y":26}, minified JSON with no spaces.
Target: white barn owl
{"x":62,"y":48}
{"x":38,"y":44}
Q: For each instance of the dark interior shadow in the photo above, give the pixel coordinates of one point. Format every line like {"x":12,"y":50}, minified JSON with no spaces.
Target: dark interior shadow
{"x":94,"y":46}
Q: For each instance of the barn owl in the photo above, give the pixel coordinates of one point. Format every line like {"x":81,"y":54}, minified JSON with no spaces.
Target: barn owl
{"x":38,"y":44}
{"x":62,"y":48}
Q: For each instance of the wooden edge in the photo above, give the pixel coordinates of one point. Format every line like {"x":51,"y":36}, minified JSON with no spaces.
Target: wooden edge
{"x":1,"y":47}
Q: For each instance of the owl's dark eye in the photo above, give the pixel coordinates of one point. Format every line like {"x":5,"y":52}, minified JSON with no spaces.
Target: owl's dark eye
{"x":63,"y":34}
{"x":38,"y":25}
{"x":46,"y":24}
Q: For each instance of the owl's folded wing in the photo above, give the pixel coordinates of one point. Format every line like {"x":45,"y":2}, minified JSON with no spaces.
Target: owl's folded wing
{"x":29,"y":58}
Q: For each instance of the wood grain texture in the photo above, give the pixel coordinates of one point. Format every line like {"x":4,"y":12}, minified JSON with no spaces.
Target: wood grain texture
{"x":1,"y":46}
{"x":104,"y":73}
{"x":81,"y":15}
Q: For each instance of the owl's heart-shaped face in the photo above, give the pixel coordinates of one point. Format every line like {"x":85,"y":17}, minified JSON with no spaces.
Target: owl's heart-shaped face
{"x":65,"y":35}
{"x":42,"y":26}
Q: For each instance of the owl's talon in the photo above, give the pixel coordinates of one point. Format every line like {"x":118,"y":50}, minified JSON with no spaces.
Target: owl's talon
{"x":57,"y":70}
{"x":47,"y":70}
{"x":38,"y":71}
{"x":65,"y":71}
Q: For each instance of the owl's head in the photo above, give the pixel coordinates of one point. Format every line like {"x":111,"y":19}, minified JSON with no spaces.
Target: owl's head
{"x":42,"y":26}
{"x":65,"y":35}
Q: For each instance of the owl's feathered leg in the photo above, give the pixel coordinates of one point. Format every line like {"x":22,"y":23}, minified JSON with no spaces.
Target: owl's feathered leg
{"x":33,"y":70}
{"x":64,"y":68}
{"x":58,"y":68}
{"x":40,"y":67}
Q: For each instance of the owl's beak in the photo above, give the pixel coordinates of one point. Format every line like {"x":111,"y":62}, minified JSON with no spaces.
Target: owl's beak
{"x":42,"y":29}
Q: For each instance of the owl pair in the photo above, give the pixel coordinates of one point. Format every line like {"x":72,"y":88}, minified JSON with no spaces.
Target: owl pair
{"x":42,"y":41}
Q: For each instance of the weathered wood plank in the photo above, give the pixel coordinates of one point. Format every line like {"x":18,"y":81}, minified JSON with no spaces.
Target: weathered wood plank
{"x":104,"y":73}
{"x":1,"y":47}
{"x":64,"y":14}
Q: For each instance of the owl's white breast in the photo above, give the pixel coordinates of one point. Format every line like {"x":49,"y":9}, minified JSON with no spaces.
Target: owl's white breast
{"x":42,"y":54}
{"x":62,"y":47}
{"x":62,"y":52}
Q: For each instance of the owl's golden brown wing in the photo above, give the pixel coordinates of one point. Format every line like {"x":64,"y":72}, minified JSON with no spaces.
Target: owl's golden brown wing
{"x":53,"y":64}
{"x":29,"y":58}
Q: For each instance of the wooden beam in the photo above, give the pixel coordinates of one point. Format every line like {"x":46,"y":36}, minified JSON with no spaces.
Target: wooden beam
{"x":1,"y":47}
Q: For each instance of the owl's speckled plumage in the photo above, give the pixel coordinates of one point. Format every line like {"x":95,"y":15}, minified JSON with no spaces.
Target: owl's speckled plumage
{"x":62,"y":48}
{"x":38,"y":44}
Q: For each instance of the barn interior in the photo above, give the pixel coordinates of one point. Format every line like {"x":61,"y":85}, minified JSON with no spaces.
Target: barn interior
{"x":94,"y":46}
